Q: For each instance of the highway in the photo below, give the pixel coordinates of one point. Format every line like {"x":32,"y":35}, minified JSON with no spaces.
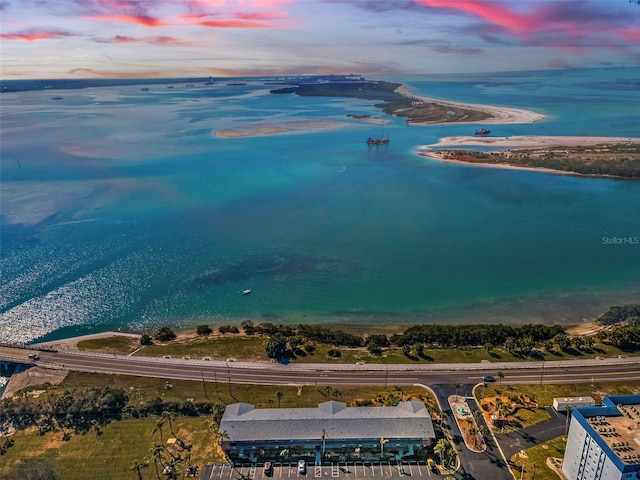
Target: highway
{"x":567,"y":371}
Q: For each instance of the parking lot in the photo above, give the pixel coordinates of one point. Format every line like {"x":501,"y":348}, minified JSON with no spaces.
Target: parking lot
{"x":375,"y":469}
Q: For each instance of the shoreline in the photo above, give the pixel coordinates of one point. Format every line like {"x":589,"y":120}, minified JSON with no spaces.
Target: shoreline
{"x":497,"y":115}
{"x":528,"y":141}
{"x":522,"y":142}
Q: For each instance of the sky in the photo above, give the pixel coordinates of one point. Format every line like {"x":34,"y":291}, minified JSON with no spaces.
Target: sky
{"x":194,"y":38}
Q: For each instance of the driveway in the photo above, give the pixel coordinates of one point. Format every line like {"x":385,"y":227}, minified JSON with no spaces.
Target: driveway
{"x":476,"y":466}
{"x":513,"y":442}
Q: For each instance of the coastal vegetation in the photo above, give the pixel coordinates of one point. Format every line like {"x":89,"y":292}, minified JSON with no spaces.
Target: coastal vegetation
{"x":416,"y":111}
{"x":113,"y":422}
{"x":615,"y":160}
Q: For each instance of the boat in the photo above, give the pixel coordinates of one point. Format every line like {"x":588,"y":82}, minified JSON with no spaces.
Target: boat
{"x":482,"y":132}
{"x":246,"y":292}
{"x":378,"y":141}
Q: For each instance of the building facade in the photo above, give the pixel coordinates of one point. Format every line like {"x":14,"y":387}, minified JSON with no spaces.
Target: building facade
{"x":332,"y":432}
{"x":603,"y":442}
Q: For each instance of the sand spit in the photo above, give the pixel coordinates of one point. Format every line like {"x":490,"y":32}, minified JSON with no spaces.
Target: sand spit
{"x":276,"y":128}
{"x":498,"y":115}
{"x":527,"y":141}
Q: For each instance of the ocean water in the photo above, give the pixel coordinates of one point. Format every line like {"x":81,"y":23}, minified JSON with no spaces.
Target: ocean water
{"x":119,"y":209}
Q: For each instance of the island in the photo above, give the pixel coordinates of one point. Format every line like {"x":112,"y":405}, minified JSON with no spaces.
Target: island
{"x":398,"y":100}
{"x":617,"y":157}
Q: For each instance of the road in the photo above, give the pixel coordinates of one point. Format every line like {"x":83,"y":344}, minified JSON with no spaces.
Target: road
{"x":568,"y":371}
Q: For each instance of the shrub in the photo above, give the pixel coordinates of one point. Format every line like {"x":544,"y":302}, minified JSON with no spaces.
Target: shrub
{"x":164,"y":334}
{"x":334,"y":353}
{"x":146,"y":339}
{"x":204,"y":330}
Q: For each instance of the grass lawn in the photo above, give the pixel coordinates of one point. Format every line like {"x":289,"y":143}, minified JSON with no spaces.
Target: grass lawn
{"x":252,"y":348}
{"x":111,"y":454}
{"x":115,"y":344}
{"x":237,"y":347}
{"x":538,"y":456}
{"x":544,"y":395}
{"x":262,"y":396}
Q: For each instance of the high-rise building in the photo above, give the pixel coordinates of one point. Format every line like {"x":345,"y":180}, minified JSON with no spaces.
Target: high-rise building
{"x":604,"y":441}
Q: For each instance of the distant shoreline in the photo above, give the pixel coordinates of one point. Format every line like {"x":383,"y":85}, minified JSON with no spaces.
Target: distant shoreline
{"x":493,"y":114}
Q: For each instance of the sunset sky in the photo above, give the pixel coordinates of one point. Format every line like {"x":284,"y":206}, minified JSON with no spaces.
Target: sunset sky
{"x":181,"y":38}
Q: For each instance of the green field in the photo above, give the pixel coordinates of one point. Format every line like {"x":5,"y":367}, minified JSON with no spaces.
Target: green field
{"x":252,"y":348}
{"x":110,"y":454}
{"x":145,"y":388}
{"x":534,"y":461}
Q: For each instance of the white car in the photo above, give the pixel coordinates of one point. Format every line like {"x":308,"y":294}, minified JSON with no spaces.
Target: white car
{"x":302,"y":466}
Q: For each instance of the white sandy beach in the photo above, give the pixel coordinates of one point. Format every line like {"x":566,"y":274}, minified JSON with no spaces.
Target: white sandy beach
{"x":499,"y":115}
{"x":515,"y":143}
{"x":526,"y":141}
{"x":275,"y":128}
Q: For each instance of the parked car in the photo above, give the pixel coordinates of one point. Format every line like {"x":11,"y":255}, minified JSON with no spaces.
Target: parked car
{"x":268,"y":468}
{"x":302,"y":466}
{"x":488,"y":378}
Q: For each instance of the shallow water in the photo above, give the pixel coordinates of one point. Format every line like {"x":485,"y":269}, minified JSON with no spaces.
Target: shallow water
{"x":120,"y":209}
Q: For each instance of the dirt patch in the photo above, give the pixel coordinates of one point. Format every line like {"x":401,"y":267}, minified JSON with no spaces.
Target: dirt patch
{"x":33,"y":377}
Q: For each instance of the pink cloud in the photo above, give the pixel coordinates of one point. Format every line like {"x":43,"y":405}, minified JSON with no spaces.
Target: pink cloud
{"x":136,"y":19}
{"x":155,"y":40}
{"x":565,"y":25}
{"x":33,"y":36}
{"x":208,"y":20}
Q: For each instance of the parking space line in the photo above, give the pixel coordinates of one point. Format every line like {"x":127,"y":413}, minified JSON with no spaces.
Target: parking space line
{"x":252,"y":470}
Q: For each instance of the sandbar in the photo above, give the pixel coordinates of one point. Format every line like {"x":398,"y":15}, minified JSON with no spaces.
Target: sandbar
{"x":276,"y":128}
{"x":495,"y":115}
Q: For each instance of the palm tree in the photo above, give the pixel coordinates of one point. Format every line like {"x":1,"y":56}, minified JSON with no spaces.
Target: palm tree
{"x":170,"y":416}
{"x":336,"y":393}
{"x":159,"y":424}
{"x":279,"y":395}
{"x":567,"y":410}
{"x":441,"y":449}
{"x":156,"y":454}
{"x":443,"y":418}
{"x":500,"y":376}
{"x":222,"y":436}
{"x":457,"y":385}
{"x":138,"y":465}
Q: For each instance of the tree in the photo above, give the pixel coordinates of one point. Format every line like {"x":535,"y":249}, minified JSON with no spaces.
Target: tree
{"x":137,"y":466}
{"x":567,"y":410}
{"x":170,"y":417}
{"x":159,"y":424}
{"x":204,"y":330}
{"x":500,"y":376}
{"x":156,"y":454}
{"x":276,"y":346}
{"x":145,"y":339}
{"x":222,"y":436}
{"x":441,"y":449}
{"x":488,"y":347}
{"x":457,"y":385}
{"x":164,"y":334}
{"x":279,"y":396}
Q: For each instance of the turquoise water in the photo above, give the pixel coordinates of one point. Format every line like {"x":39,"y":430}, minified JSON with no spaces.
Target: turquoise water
{"x":120,"y":209}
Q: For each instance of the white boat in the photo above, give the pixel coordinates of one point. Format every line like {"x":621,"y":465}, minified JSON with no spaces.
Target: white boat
{"x":246,"y":292}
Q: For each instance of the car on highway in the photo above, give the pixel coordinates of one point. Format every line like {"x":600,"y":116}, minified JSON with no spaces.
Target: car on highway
{"x":302,"y":466}
{"x":488,"y":378}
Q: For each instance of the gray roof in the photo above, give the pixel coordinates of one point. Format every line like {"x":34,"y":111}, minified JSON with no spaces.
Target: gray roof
{"x":243,"y":422}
